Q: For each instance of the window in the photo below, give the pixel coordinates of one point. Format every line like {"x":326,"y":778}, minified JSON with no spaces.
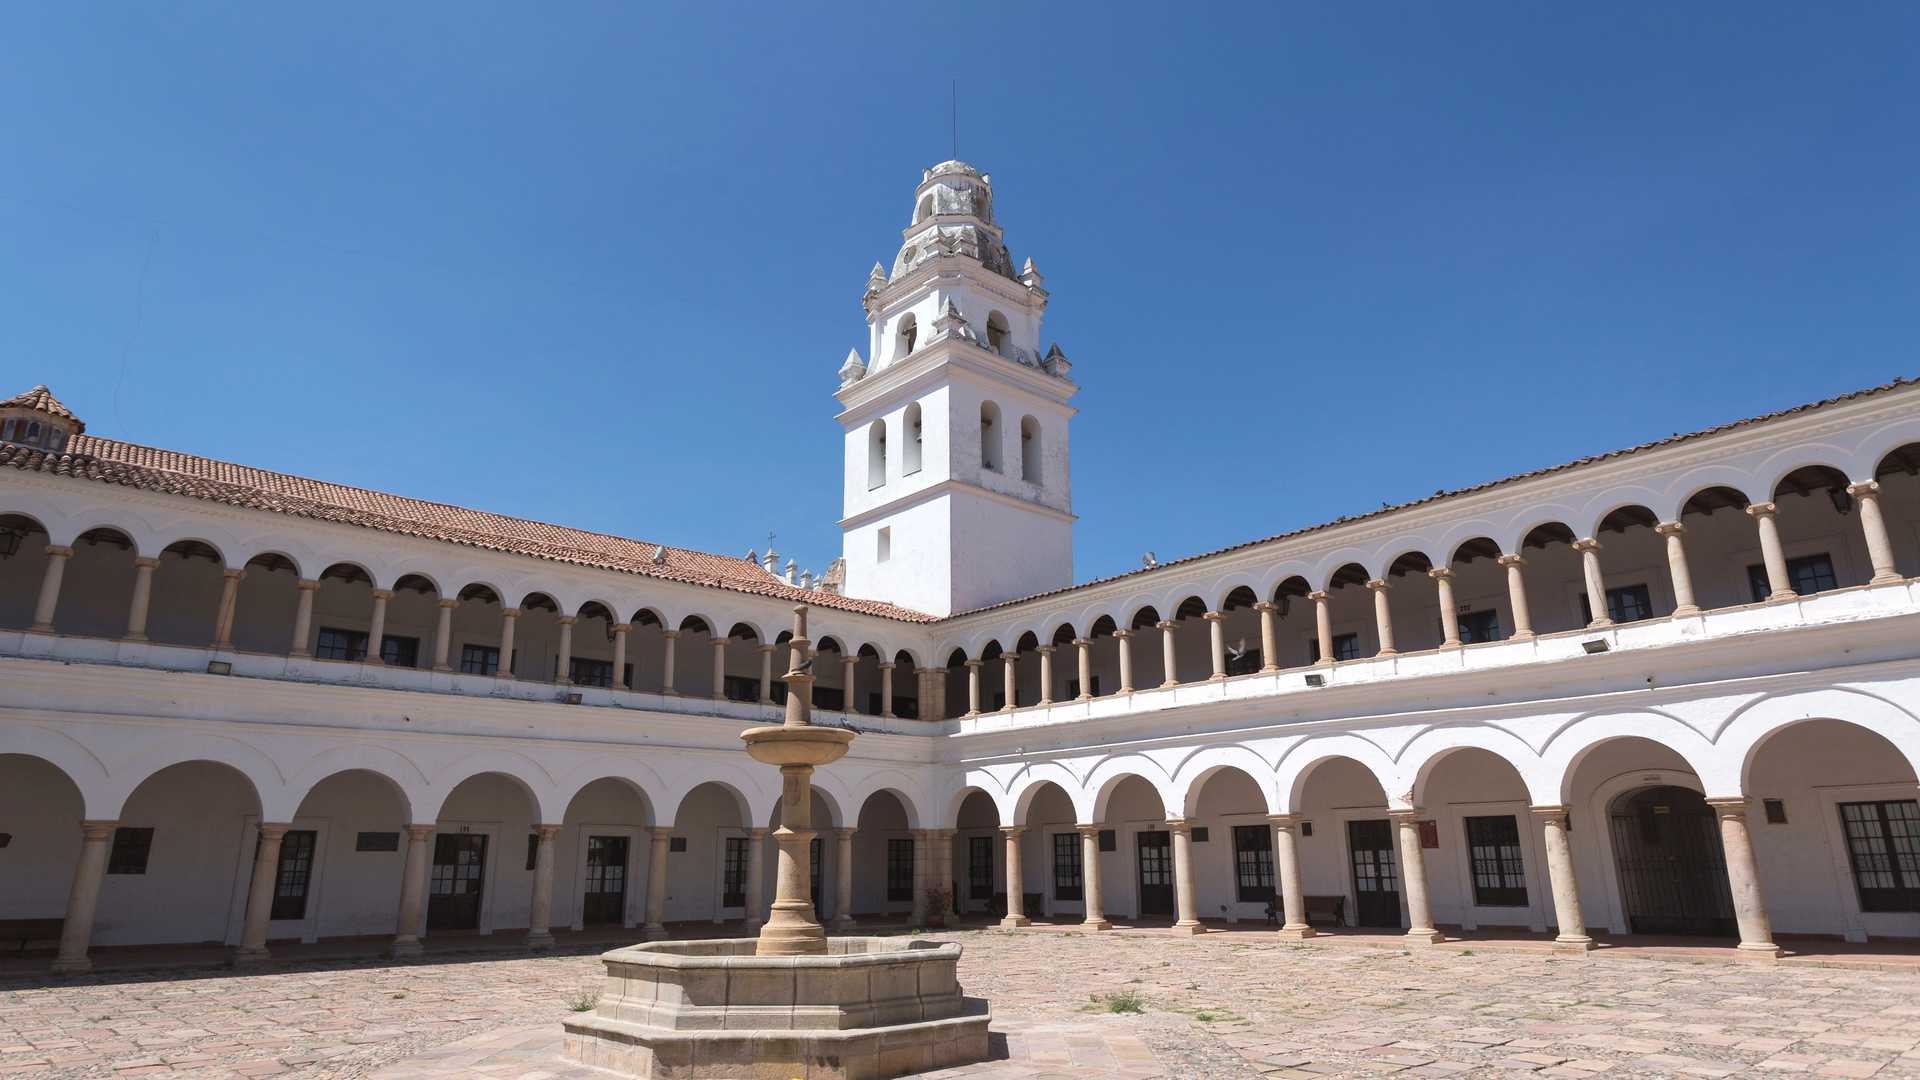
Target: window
{"x":997,"y":333}
{"x":1247,"y":663}
{"x":1808,"y":574}
{"x":733,"y":888}
{"x":1628,"y":603}
{"x":1499,"y":874}
{"x":1073,"y":687}
{"x":1479,"y":626}
{"x":876,"y":454}
{"x":337,"y":644}
{"x":1345,"y":647}
{"x":376,"y":841}
{"x":585,"y":672}
{"x":480,"y":659}
{"x":130,"y":850}
{"x":1253,"y":863}
{"x":400,"y":651}
{"x":740,"y":688}
{"x":885,"y":551}
{"x":912,"y":461}
{"x":899,"y":871}
{"x":979,"y":867}
{"x":1883,"y":844}
{"x":989,"y":436}
{"x":905,"y":337}
{"x":294,"y":874}
{"x":831,"y":698}
{"x":1030,"y":450}
{"x":1066,"y":866}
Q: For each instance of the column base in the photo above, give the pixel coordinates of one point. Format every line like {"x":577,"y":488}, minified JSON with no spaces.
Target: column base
{"x":1419,"y":938}
{"x":541,"y":940}
{"x":297,"y":654}
{"x":443,"y":668}
{"x":1270,"y":669}
{"x":79,"y":965}
{"x":1169,"y":684}
{"x":1186,"y":929}
{"x":40,"y":628}
{"x":1084,"y":697}
{"x":1296,"y":933}
{"x":1761,"y":952}
{"x":1686,"y":611}
{"x":840,"y":922}
{"x":1885,"y":579}
{"x":653,"y":932}
{"x":1015,"y":922}
{"x":1600,"y":624}
{"x":142,"y":637}
{"x":752,"y":926}
{"x":1325,"y":661}
{"x":1782,"y":597}
{"x":1218,"y":676}
{"x":255,"y":957}
{"x":1572,"y":946}
{"x":1521,"y":635}
{"x":1094,"y":926}
{"x":1450,"y":645}
{"x":401,"y":949}
{"x":1387,"y":652}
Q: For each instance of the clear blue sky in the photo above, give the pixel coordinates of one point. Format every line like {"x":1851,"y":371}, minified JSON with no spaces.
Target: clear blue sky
{"x":597,"y":264}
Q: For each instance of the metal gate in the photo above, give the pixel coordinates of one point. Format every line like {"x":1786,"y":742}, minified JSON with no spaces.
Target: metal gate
{"x":1673,"y":872}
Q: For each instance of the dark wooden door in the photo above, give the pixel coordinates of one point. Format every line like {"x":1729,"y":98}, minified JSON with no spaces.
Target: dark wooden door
{"x":605,"y":900}
{"x":1673,"y":873}
{"x":459,"y":871}
{"x":980,"y":870}
{"x":1376,"y":880}
{"x":1155,"y":857}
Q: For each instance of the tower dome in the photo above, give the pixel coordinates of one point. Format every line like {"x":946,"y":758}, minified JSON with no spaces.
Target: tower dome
{"x":37,"y":419}
{"x":953,"y":215}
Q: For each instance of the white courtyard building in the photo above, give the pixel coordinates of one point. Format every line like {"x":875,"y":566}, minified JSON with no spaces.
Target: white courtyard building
{"x":1670,"y":690}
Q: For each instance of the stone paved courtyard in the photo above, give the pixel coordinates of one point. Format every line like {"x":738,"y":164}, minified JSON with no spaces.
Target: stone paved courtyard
{"x":1224,"y":1005}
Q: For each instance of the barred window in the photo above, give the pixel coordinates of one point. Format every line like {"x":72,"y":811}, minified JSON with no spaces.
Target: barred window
{"x":480,"y":659}
{"x":1253,"y":863}
{"x":733,"y":888}
{"x":1066,"y":866}
{"x":293,"y":875}
{"x":338,"y":644}
{"x":1499,"y":873}
{"x":900,"y":871}
{"x":1806,"y":575}
{"x":587,"y":672}
{"x":1883,"y":845}
{"x":1479,"y":626}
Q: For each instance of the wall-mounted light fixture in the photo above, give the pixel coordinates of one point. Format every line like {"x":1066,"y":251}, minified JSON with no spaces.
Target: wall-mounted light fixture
{"x":219,"y":667}
{"x":1316,"y":679}
{"x":1595,"y":646}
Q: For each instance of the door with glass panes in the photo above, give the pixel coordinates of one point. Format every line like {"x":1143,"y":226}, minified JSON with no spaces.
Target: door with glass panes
{"x":455,"y":882}
{"x":1154,"y":851}
{"x":1376,"y":881}
{"x":605,"y":899}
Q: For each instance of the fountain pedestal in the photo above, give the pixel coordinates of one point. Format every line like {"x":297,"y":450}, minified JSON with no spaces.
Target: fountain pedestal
{"x":793,"y":1002}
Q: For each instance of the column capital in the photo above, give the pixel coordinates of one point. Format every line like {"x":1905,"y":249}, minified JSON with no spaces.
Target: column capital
{"x":59,"y":551}
{"x":1670,"y":528}
{"x":568,"y":620}
{"x":885,"y":665}
{"x":766,"y":648}
{"x":1379,"y":584}
{"x":1318,"y":596}
{"x":1405,"y":814}
{"x":845,"y":832}
{"x":149,"y":562}
{"x":1045,"y":650}
{"x":1511,"y":560}
{"x":449,"y":603}
{"x":623,"y":628}
{"x":274,"y":830}
{"x":230,"y":575}
{"x":548,"y":832}
{"x":1729,"y":805}
{"x":1214,"y":616}
{"x":1180,"y":825}
{"x":421,"y":832}
{"x":98,"y":830}
{"x":670,"y":635}
{"x":307,"y":584}
{"x":1761,"y":509}
{"x":721,"y":643}
{"x":661,"y":833}
{"x":1088,"y":830}
{"x":1586,"y":544}
{"x":1081,"y":643}
{"x":1865,"y":489}
{"x":1548,"y":813}
{"x":973,"y":665}
{"x":1163,"y":624}
{"x":1440,"y":573}
{"x":382,"y":594}
{"x":756,"y":834}
{"x":1013,"y":830}
{"x":1123,"y":634}
{"x":1284,"y":821}
{"x":1265,"y":606}
{"x":509,"y":612}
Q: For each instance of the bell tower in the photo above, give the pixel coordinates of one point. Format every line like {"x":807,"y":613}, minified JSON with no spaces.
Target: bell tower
{"x":956,"y":488}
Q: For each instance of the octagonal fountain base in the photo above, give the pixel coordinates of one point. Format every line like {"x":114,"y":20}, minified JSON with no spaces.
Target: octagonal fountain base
{"x":868,"y":1007}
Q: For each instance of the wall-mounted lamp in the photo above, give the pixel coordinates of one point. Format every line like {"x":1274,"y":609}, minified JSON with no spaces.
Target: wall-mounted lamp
{"x":219,"y":667}
{"x":1316,"y":679}
{"x":574,"y":698}
{"x":1595,"y":647}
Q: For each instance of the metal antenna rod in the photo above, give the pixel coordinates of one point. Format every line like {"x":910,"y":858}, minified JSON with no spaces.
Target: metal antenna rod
{"x":953,"y":85}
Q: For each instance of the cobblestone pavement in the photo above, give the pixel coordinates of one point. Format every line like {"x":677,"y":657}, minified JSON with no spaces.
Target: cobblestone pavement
{"x":1223,"y":1005}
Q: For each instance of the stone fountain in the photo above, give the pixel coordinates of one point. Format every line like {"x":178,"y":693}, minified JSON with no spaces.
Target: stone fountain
{"x":792,"y":1003}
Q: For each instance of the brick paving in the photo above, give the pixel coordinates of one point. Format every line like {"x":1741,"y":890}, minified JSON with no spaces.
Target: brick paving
{"x":1223,"y":1005}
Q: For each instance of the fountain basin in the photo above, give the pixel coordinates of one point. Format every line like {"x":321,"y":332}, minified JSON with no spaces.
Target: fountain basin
{"x":869,"y":1007}
{"x":796,"y":744}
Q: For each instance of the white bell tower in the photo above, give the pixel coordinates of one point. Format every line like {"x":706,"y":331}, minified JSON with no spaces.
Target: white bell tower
{"x":957,"y":492}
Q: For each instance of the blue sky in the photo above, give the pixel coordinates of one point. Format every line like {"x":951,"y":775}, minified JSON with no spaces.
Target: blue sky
{"x":597,"y":264}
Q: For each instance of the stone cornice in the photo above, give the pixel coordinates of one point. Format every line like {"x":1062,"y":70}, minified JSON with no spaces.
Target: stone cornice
{"x":925,"y":368}
{"x":948,"y":486}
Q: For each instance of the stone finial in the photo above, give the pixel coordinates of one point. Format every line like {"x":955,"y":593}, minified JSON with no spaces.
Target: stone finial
{"x":659,"y":555}
{"x":876,"y":278}
{"x":1056,"y":363}
{"x":853,"y":370}
{"x":792,"y":572}
{"x":753,"y":556}
{"x":806,"y":579}
{"x":1030,"y":275}
{"x":953,"y":324}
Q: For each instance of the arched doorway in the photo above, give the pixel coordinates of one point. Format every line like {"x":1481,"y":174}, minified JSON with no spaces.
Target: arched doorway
{"x":1673,"y":873}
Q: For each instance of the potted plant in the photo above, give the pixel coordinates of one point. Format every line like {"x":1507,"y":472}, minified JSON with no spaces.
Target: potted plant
{"x":939,"y":903}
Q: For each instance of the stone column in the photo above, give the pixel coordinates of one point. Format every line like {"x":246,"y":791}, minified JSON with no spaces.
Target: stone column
{"x":57,"y":557}
{"x":1016,"y":916}
{"x":756,"y":880}
{"x":1269,"y":635}
{"x":766,"y":674}
{"x":1683,"y":603}
{"x":1413,"y":878}
{"x":656,"y":928}
{"x":847,"y":664}
{"x":1322,"y":626}
{"x":1779,"y":582}
{"x":973,"y":688}
{"x":223,"y":617}
{"x":1383,"y":616}
{"x":509,"y":618}
{"x":886,"y":688}
{"x":1217,"y":644}
{"x":142,"y":598}
{"x":1010,"y":679}
{"x":1743,"y":879}
{"x":563,"y":664}
{"x":1602,"y":616}
{"x":377,"y":628}
{"x":540,"y":919}
{"x":443,"y":636}
{"x":1125,"y":638}
{"x":667,"y":665}
{"x":1873,"y":525}
{"x":720,"y":672}
{"x":303,"y":617}
{"x":413,"y":891}
{"x":1046,"y":674}
{"x":1083,"y":649}
{"x":918,"y":917}
{"x":1571,"y":936}
{"x":1189,"y":921}
{"x":266,"y":880}
{"x":1286,"y":871}
{"x":1096,"y":918}
{"x":1168,"y":655}
{"x":1449,"y":611}
{"x":1517,"y":596}
{"x":843,"y":880}
{"x":620,"y":632}
{"x":96,"y":840}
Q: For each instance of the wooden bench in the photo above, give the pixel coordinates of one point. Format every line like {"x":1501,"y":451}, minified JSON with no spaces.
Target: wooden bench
{"x":28,"y":931}
{"x":1326,"y":911}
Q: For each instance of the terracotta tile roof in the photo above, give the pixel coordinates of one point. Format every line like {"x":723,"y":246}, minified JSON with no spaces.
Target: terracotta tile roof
{"x":40,"y":399}
{"x":1671,"y":440}
{"x":109,"y":461}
